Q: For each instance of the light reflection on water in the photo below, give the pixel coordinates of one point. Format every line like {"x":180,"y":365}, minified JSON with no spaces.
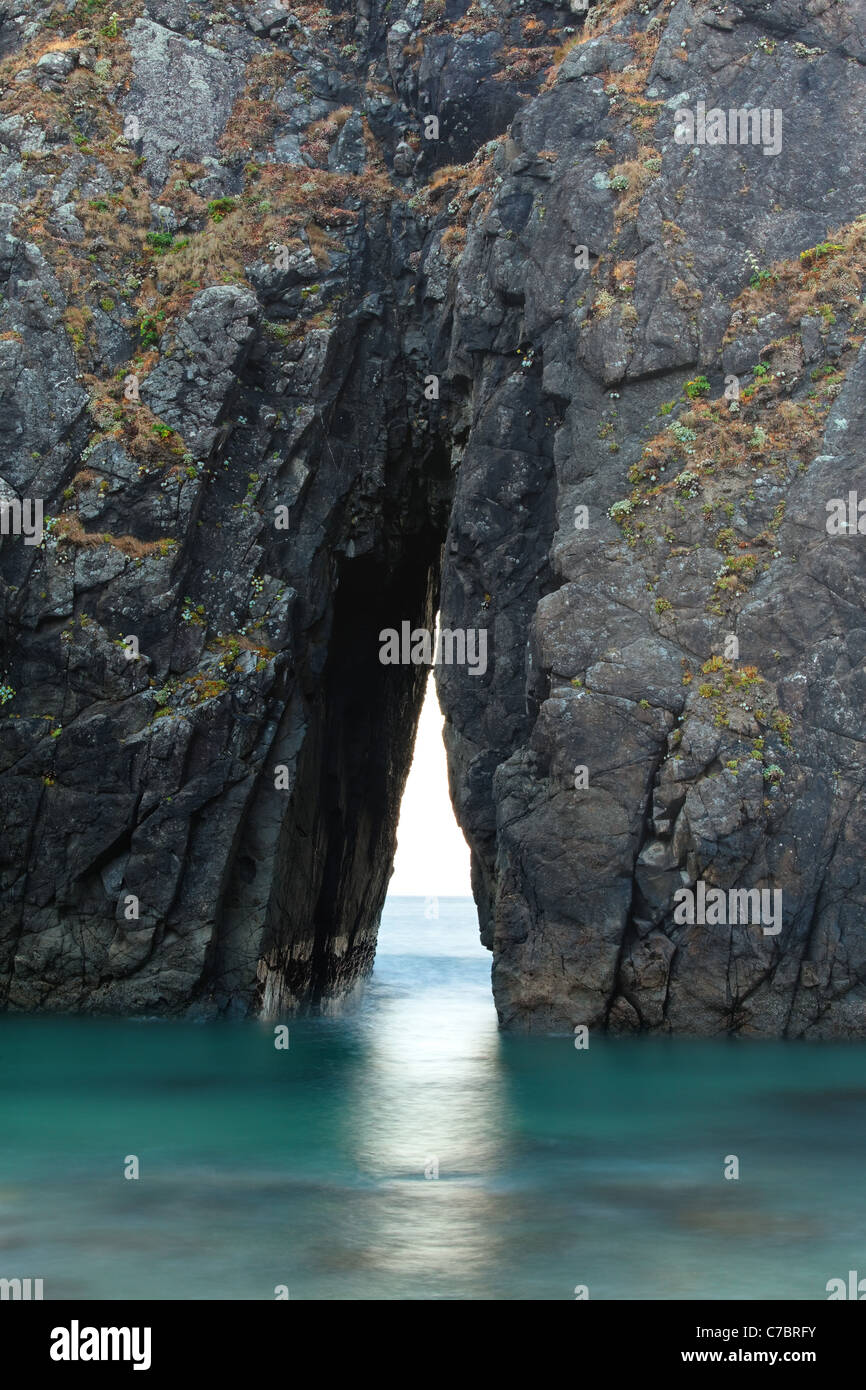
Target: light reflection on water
{"x":427,"y":1116}
{"x":307,"y":1167}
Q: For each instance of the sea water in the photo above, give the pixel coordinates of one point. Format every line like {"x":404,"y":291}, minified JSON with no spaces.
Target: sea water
{"x":407,"y":1149}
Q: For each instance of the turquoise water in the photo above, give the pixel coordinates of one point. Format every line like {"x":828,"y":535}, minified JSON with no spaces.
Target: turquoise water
{"x":306,"y":1167}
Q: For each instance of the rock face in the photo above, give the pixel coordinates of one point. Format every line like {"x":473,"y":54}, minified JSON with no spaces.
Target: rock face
{"x":314,"y":323}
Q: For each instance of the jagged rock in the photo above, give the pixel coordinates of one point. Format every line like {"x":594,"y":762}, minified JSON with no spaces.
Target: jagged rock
{"x":349,"y":152}
{"x":191,"y":387}
{"x":597,"y":55}
{"x":404,"y":160}
{"x":578,"y":485}
{"x":182,"y":95}
{"x":67,"y":224}
{"x":266,"y":18}
{"x":54,"y":67}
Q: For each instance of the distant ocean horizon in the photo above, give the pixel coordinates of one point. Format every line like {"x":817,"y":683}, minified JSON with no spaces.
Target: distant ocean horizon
{"x":406,"y":1148}
{"x":423,"y":897}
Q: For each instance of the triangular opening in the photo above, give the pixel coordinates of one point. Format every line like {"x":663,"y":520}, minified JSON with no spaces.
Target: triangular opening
{"x":432,"y":858}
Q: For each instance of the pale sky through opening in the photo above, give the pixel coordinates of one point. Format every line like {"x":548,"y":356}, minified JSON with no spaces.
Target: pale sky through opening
{"x":432,"y":856}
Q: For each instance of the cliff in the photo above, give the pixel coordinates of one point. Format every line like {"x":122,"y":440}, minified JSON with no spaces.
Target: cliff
{"x":314,"y":321}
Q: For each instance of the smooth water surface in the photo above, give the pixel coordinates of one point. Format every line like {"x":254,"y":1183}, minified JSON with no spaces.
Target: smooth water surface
{"x":315,"y":1167}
